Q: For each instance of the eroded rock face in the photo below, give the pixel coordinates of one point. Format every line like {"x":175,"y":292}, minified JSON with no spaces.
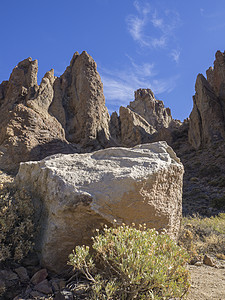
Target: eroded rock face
{"x":25,"y":125}
{"x":79,"y":103}
{"x":76,"y":193}
{"x":145,"y":120}
{"x":207,"y":119}
{"x":152,"y":110}
{"x":36,"y":121}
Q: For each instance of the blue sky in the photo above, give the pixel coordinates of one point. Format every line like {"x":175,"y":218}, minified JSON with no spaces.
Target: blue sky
{"x":161,"y":44}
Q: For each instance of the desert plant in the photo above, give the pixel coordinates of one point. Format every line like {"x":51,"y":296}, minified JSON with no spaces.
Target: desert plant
{"x":201,"y":235}
{"x":16,"y":223}
{"x":131,"y":263}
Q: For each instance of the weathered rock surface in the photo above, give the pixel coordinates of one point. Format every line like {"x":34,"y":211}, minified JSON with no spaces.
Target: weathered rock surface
{"x":79,"y":103}
{"x":27,"y":131}
{"x":145,"y":120}
{"x":135,"y":129}
{"x":76,"y":193}
{"x":207,"y":119}
{"x":152,"y":110}
{"x":37,"y":121}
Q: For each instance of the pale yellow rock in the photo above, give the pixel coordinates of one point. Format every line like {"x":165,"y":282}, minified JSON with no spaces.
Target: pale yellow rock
{"x":76,"y":193}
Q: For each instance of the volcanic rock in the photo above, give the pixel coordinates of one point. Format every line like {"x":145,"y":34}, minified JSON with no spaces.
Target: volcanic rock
{"x":79,"y":103}
{"x":76,"y":193}
{"x":152,"y":110}
{"x":207,"y":119}
{"x":37,"y":121}
{"x":144,"y":120}
{"x":27,"y":131}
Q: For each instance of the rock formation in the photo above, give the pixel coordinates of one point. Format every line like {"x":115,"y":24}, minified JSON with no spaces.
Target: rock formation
{"x":79,"y":103}
{"x":144,"y":120}
{"x":25,"y":125}
{"x":76,"y":193}
{"x":36,"y":121}
{"x":207,"y":119}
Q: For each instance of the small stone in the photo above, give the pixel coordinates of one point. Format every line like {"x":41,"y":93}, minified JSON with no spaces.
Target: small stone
{"x":55,"y":286}
{"x":62,"y":284}
{"x":59,"y":296}
{"x":44,"y":287}
{"x":198,"y":263}
{"x":8,"y":275}
{"x":36,"y":295}
{"x":207,"y":260}
{"x":39,"y":276}
{"x":22,"y":273}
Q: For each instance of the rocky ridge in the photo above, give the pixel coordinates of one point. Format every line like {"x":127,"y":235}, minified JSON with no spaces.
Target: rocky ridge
{"x":40,"y":120}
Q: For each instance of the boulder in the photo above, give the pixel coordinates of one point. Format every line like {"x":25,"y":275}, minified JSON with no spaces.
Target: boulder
{"x":74,"y":194}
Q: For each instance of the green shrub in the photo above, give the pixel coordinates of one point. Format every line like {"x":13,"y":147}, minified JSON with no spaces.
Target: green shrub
{"x":130,"y":263}
{"x":16,"y":223}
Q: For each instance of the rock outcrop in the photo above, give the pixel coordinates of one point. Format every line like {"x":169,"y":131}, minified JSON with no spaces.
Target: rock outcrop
{"x":144,"y":120}
{"x":207,"y":119}
{"x":79,"y":103}
{"x":27,"y":131}
{"x":36,"y":121}
{"x":76,"y":193}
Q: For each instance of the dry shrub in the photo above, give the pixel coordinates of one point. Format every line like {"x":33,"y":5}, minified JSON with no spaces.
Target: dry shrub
{"x":201,"y":235}
{"x":16,"y":222}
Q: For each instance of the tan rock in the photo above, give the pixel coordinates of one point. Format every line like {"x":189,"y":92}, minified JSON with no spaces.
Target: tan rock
{"x":207,"y":260}
{"x":135,"y":130}
{"x":77,"y":193}
{"x":207,"y":119}
{"x":152,"y":110}
{"x":27,"y":130}
{"x":79,"y":103}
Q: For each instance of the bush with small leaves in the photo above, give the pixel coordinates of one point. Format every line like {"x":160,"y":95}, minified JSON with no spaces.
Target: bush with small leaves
{"x":130,"y":263}
{"x":16,"y":223}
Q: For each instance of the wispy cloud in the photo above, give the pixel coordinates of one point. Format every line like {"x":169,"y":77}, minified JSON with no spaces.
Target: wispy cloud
{"x":151,"y":28}
{"x":119,"y":85}
{"x":175,"y":54}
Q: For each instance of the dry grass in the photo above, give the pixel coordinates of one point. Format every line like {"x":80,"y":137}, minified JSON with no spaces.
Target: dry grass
{"x":203,"y":235}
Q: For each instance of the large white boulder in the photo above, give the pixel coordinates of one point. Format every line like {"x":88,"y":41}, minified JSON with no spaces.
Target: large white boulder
{"x":74,"y":194}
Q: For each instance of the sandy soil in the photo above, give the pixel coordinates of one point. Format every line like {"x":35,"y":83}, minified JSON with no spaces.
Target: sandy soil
{"x":207,"y":283}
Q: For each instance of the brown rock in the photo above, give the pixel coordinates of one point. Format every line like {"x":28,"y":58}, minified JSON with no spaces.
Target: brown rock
{"x":39,"y":276}
{"x":207,"y":260}
{"x":79,"y":103}
{"x":8,"y":275}
{"x":135,"y":130}
{"x":144,"y":120}
{"x":27,"y":130}
{"x":44,"y":287}
{"x":152,"y":110}
{"x":22,"y":273}
{"x":207,"y":119}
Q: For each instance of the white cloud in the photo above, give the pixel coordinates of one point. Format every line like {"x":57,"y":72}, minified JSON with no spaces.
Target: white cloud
{"x":150,"y":28}
{"x":175,"y":54}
